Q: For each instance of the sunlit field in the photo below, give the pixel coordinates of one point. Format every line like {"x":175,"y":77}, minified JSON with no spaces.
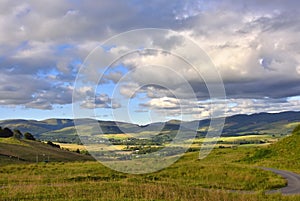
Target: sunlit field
{"x":213,"y":178}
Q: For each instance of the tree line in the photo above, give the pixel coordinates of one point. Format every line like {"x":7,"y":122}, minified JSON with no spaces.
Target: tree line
{"x":6,"y":133}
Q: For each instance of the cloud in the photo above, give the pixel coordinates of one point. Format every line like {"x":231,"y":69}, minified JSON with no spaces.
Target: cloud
{"x":163,"y":103}
{"x":129,"y":90}
{"x":168,"y":106}
{"x":32,"y":92}
{"x":254,"y":45}
{"x":101,"y":101}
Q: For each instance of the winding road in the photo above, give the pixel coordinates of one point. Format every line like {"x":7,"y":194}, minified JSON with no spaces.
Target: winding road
{"x":293,"y":180}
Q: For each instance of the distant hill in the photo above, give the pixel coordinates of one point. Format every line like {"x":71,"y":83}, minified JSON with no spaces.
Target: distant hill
{"x":63,"y":129}
{"x":37,"y":126}
{"x":25,"y":151}
{"x":268,"y":123}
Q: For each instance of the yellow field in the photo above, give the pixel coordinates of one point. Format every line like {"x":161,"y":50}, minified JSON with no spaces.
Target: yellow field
{"x":71,"y":147}
{"x":234,"y":138}
{"x":117,"y":136}
{"x":96,"y":147}
{"x":120,"y":136}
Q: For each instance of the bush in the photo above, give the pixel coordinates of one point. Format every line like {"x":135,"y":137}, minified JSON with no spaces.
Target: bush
{"x":53,"y":145}
{"x":259,"y":155}
{"x":17,"y":134}
{"x":28,"y":136}
{"x":6,"y":132}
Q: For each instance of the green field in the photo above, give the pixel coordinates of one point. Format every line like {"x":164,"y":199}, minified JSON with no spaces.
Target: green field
{"x":228,"y":174}
{"x":26,"y":151}
{"x":188,"y":179}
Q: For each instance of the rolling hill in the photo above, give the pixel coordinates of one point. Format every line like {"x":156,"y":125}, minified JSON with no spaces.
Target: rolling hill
{"x":285,"y":154}
{"x":26,"y":151}
{"x":63,"y":130}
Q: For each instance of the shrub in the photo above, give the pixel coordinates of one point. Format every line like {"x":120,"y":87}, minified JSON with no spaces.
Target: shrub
{"x":17,"y":134}
{"x":29,"y":136}
{"x":6,"y":132}
{"x":259,"y":155}
{"x":52,"y":144}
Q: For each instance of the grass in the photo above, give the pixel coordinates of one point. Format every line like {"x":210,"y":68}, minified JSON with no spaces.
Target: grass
{"x":120,"y":136}
{"x":26,"y":151}
{"x":187,"y":179}
{"x":12,"y":141}
{"x":210,"y":179}
{"x":237,"y":138}
{"x":70,"y":146}
{"x":122,"y":191}
{"x":282,"y":155}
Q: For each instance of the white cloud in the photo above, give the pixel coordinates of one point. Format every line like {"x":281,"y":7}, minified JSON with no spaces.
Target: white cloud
{"x":164,"y":103}
{"x":255,"y":46}
{"x":100,"y":101}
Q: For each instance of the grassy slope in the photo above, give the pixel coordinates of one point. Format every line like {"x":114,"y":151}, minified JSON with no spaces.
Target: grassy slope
{"x":284,"y":154}
{"x":25,"y":151}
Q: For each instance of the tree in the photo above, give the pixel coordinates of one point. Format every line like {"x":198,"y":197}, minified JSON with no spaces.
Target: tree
{"x":6,"y":132}
{"x":17,"y":134}
{"x":29,"y":136}
{"x":52,"y":144}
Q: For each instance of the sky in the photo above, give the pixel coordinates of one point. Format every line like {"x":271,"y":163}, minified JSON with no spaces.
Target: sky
{"x":54,"y":58}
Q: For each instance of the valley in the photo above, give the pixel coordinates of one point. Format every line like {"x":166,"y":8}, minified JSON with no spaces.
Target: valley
{"x":37,"y":170}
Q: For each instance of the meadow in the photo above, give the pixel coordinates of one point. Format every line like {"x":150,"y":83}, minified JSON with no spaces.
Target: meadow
{"x":228,"y":173}
{"x":212,"y":178}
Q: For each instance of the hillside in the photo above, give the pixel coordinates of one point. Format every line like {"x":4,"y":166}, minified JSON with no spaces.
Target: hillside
{"x":285,"y":154}
{"x":277,"y":123}
{"x":63,"y":130}
{"x":26,"y":151}
{"x":38,"y":127}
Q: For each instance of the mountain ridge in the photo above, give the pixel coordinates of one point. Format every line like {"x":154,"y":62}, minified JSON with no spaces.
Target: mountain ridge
{"x":241,"y":124}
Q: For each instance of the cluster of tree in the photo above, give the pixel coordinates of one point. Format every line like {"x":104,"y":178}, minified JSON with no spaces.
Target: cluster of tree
{"x":130,"y":141}
{"x":158,"y":140}
{"x":142,"y":149}
{"x":62,"y":139}
{"x":242,"y":142}
{"x":53,"y":145}
{"x":6,"y":133}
